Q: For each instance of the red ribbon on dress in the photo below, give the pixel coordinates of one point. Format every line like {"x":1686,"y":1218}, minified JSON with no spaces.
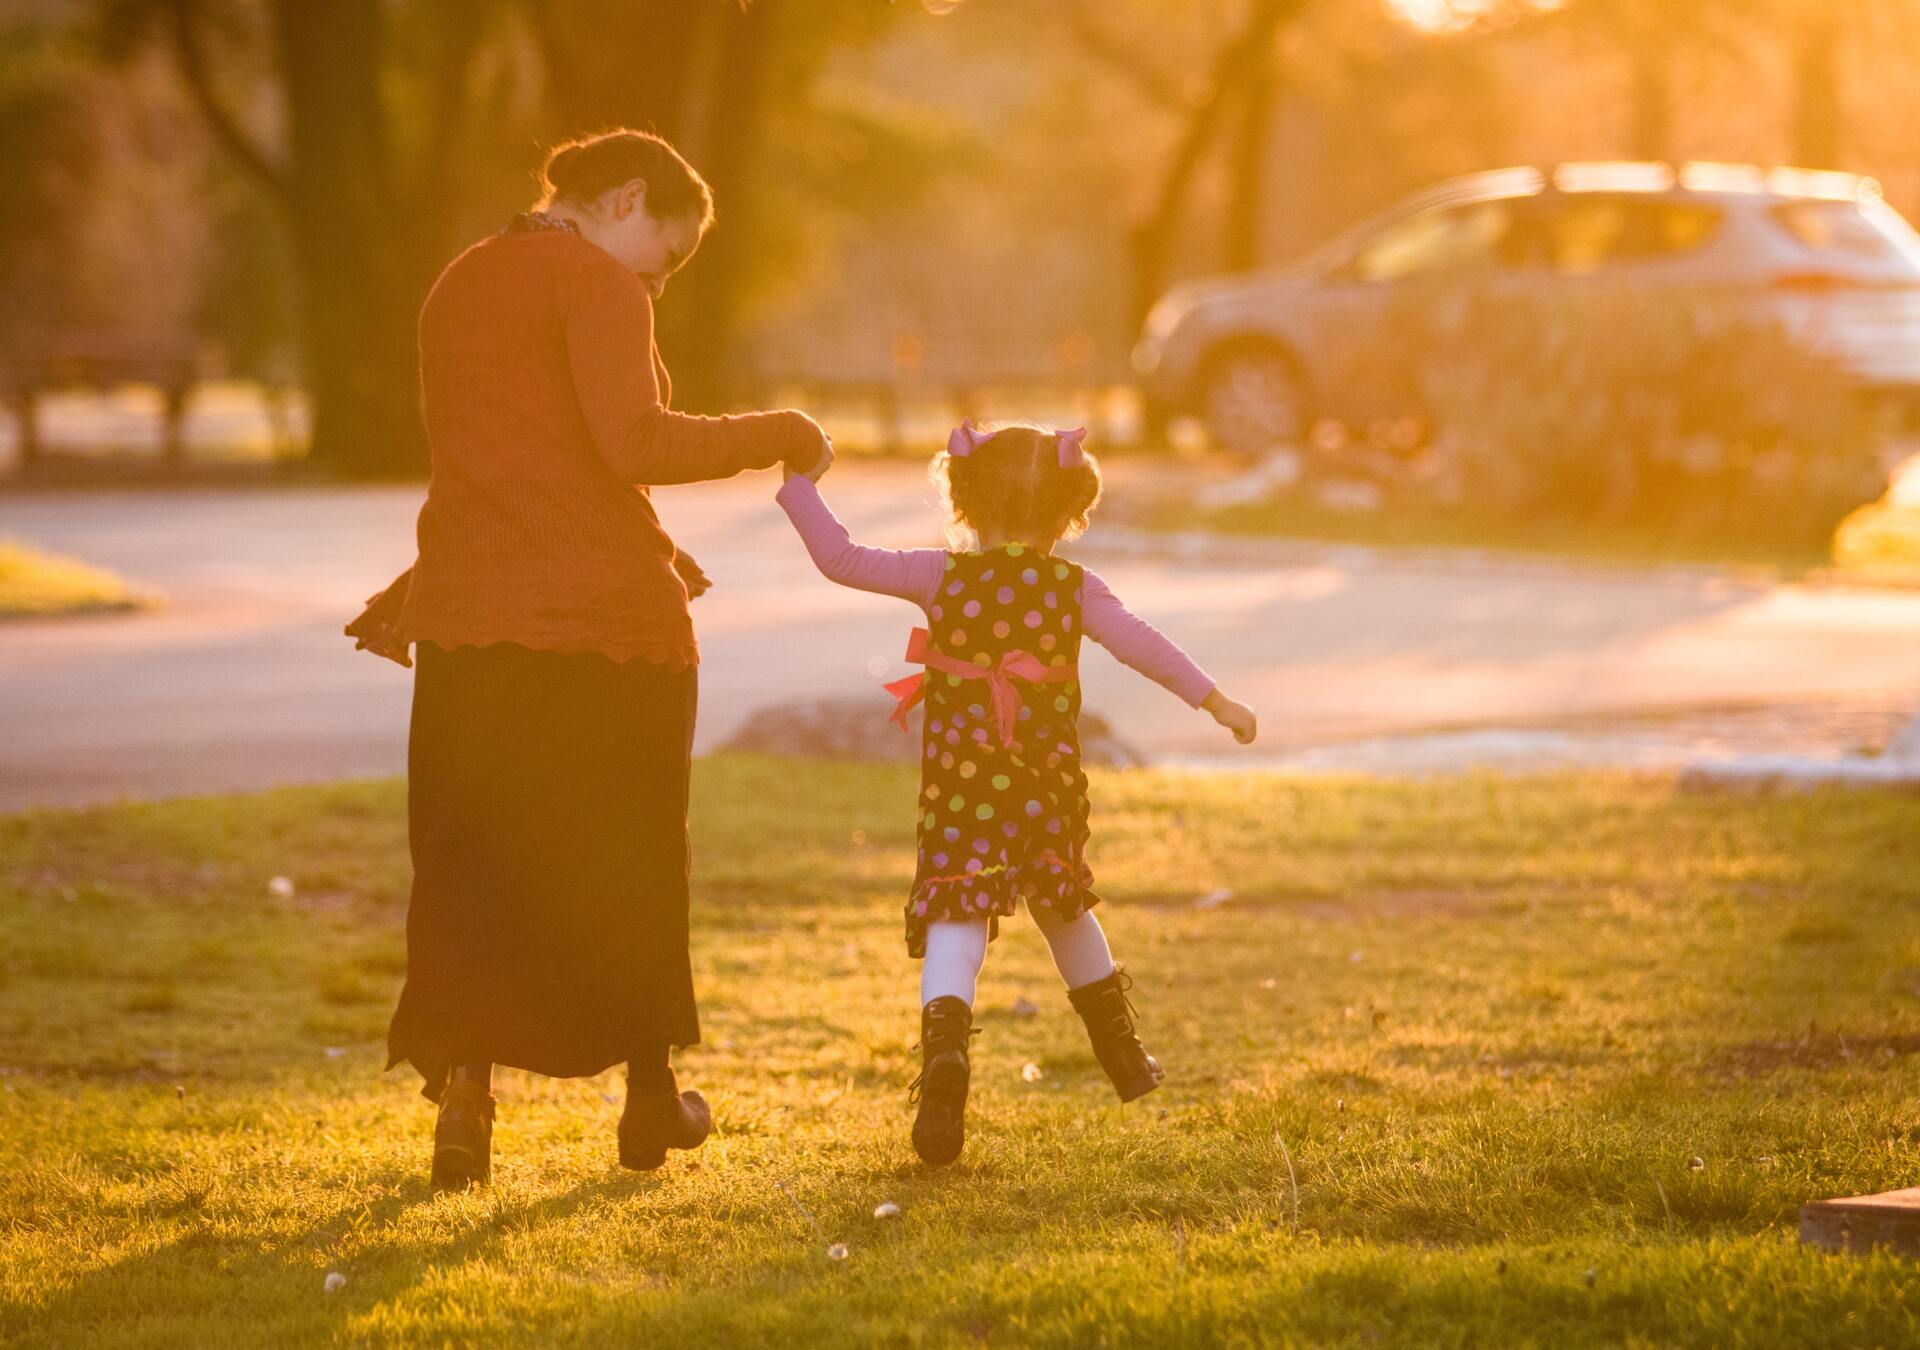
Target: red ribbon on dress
{"x":1015,"y":665}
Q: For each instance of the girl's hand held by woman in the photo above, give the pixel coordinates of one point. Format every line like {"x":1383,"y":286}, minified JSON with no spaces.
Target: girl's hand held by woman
{"x":820,"y":465}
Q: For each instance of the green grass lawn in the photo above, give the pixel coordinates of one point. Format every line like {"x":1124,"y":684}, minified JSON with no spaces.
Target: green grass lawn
{"x":1472,"y":1061}
{"x":35,"y":585}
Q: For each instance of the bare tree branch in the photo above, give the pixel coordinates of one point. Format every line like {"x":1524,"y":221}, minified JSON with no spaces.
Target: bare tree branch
{"x":1160,"y":87}
{"x":1240,"y":241}
{"x":190,"y":53}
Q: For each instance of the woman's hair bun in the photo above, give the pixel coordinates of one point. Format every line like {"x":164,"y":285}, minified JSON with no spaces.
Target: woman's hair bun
{"x":563,"y":169}
{"x":581,"y":170}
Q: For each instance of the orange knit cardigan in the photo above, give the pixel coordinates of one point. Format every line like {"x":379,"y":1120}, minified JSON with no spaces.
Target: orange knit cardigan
{"x":546,"y":407}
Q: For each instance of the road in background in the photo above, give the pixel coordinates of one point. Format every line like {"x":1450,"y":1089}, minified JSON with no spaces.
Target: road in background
{"x":242,"y":678}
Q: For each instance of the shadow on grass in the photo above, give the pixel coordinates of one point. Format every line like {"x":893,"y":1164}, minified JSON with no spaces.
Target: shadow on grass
{"x":275,"y":1290}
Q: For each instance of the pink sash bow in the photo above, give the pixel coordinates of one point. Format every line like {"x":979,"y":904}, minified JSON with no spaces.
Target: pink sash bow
{"x":1015,"y":665}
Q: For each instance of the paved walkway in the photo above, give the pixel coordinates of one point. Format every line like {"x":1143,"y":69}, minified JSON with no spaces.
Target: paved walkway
{"x":242,"y":678}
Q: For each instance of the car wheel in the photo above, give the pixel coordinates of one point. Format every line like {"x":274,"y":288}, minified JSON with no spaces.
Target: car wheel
{"x":1254,"y":403}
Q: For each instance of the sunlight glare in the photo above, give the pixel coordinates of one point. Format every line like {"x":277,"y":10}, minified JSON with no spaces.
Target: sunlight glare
{"x":1450,"y":16}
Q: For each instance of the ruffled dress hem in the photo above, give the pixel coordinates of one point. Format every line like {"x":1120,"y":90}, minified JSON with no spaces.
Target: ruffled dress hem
{"x":1044,"y":882}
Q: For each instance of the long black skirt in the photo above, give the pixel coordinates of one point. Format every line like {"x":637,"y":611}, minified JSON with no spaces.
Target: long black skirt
{"x":547,"y":810}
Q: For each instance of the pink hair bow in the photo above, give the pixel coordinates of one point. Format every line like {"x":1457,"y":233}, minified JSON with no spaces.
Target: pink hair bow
{"x":1071,"y":454}
{"x":964,"y":439}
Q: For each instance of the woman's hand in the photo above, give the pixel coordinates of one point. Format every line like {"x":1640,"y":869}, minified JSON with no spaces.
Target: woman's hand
{"x":809,"y":449}
{"x":692,"y":575}
{"x":820,"y":466}
{"x":1234,"y":716}
{"x":377,"y":629}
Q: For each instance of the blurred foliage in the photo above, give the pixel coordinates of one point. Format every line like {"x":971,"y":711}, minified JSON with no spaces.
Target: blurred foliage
{"x":1611,"y":406}
{"x":1880,"y":542}
{"x":362,"y":143}
{"x":992,"y":182}
{"x":36,"y":585}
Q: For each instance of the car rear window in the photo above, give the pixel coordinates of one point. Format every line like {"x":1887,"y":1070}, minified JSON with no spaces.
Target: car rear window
{"x":1840,"y":228}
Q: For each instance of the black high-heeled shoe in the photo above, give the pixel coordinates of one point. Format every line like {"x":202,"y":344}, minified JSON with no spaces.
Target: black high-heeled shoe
{"x":653,"y":1122}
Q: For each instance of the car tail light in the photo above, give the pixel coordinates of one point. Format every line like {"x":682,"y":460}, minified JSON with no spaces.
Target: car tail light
{"x":1812,"y":282}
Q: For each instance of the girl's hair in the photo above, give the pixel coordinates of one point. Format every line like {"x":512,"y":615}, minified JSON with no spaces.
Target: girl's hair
{"x":1014,"y":483}
{"x":580,"y":170}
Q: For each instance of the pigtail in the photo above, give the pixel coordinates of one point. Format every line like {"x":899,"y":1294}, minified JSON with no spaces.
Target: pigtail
{"x":1011,"y":479}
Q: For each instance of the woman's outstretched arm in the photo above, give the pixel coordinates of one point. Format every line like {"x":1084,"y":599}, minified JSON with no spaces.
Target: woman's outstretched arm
{"x":610,"y":354}
{"x":912,"y":574}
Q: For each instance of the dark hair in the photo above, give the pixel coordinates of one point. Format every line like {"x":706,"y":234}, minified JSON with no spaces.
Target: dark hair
{"x":1013,"y":483}
{"x":581,"y":170}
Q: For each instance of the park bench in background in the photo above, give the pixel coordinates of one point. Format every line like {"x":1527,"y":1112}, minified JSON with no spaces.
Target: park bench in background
{"x":172,"y":362}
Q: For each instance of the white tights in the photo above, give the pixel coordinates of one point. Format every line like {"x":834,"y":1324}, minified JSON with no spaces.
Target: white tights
{"x":957,"y":949}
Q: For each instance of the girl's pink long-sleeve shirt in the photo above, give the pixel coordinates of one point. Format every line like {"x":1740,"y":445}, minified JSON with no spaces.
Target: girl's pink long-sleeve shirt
{"x":915,"y":574}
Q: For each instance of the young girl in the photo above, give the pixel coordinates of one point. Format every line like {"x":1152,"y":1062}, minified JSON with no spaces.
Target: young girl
{"x":1003,"y":799}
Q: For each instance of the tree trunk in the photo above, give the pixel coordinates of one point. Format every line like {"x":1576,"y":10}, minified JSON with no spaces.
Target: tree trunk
{"x":687,"y":70}
{"x":1152,"y":238}
{"x":1817,"y":119}
{"x":359,"y":293}
{"x":625,"y":64}
{"x":723,"y":142}
{"x":1252,"y":141}
{"x":1651,"y":136}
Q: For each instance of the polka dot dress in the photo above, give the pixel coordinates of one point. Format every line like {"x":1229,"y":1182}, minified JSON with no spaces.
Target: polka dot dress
{"x":1001,"y":823}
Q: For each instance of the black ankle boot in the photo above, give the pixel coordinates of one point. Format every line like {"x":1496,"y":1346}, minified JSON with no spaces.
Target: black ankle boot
{"x":463,"y":1135}
{"x":940,"y":1126}
{"x":1105,"y":1008}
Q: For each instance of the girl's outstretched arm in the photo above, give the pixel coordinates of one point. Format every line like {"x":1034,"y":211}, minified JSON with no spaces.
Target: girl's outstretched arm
{"x":1137,"y":643}
{"x":912,"y":574}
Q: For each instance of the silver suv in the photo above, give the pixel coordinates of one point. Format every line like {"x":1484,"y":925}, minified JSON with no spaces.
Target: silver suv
{"x":1822,"y":253}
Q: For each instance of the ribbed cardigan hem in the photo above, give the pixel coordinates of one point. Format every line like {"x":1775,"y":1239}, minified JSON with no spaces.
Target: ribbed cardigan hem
{"x":557,"y":602}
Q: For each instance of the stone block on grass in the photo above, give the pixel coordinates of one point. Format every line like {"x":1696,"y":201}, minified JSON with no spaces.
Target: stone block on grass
{"x":1889,"y":1220}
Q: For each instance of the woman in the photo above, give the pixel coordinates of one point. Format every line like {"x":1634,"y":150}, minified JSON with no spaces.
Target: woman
{"x":553,"y":706}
